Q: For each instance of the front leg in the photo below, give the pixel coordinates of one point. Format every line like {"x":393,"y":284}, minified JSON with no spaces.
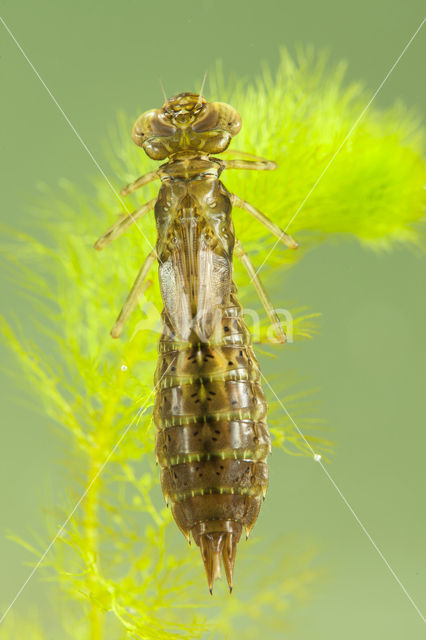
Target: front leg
{"x":256,"y":163}
{"x":140,"y":182}
{"x":259,"y":165}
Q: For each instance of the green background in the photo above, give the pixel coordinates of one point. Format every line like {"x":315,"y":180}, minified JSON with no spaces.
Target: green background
{"x":369,"y":359}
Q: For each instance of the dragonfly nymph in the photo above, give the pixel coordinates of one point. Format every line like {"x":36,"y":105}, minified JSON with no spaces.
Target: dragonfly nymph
{"x":212,"y":439}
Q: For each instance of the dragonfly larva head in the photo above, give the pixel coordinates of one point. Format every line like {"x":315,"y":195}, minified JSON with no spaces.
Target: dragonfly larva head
{"x":186,"y":123}
{"x":184,"y":109}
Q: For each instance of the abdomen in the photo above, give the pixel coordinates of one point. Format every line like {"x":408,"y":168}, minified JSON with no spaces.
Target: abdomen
{"x":212,"y":439}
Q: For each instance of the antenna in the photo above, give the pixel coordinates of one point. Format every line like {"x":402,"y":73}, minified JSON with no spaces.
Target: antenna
{"x":202,"y":88}
{"x":163,"y":89}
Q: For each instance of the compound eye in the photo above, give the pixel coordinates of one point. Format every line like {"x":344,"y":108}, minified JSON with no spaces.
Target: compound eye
{"x":229,"y":119}
{"x":219,"y":116}
{"x":150,"y":124}
{"x":208,"y":120}
{"x":160,"y":126}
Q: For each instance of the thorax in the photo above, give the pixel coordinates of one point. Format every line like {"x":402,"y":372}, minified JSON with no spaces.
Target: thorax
{"x":187,"y":168}
{"x":191,"y":188}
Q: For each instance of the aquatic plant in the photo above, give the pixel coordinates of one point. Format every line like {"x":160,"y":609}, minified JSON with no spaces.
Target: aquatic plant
{"x":122,"y":571}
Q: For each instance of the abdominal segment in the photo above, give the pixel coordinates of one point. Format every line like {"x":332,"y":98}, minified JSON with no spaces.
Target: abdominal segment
{"x":212,"y":439}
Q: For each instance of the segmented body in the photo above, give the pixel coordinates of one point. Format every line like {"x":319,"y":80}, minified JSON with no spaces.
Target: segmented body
{"x":210,"y":410}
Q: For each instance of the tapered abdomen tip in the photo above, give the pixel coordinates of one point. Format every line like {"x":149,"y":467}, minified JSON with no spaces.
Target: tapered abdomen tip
{"x":216,"y":547}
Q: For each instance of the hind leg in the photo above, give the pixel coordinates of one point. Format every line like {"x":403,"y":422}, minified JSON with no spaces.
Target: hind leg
{"x":271,"y":313}
{"x":134,"y":295}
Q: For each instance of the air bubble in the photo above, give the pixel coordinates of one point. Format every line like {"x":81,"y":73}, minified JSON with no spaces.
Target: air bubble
{"x":123,"y":367}
{"x":317,"y":457}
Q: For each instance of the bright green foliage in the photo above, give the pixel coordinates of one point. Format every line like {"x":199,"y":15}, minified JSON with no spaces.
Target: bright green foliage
{"x":120,"y":557}
{"x":299,"y":117}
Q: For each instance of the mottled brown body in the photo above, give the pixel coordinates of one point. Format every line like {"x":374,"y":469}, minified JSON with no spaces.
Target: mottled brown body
{"x":212,"y":440}
{"x":210,"y":410}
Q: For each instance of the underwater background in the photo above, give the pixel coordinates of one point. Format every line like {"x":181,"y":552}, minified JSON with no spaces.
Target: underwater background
{"x":366,"y":365}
